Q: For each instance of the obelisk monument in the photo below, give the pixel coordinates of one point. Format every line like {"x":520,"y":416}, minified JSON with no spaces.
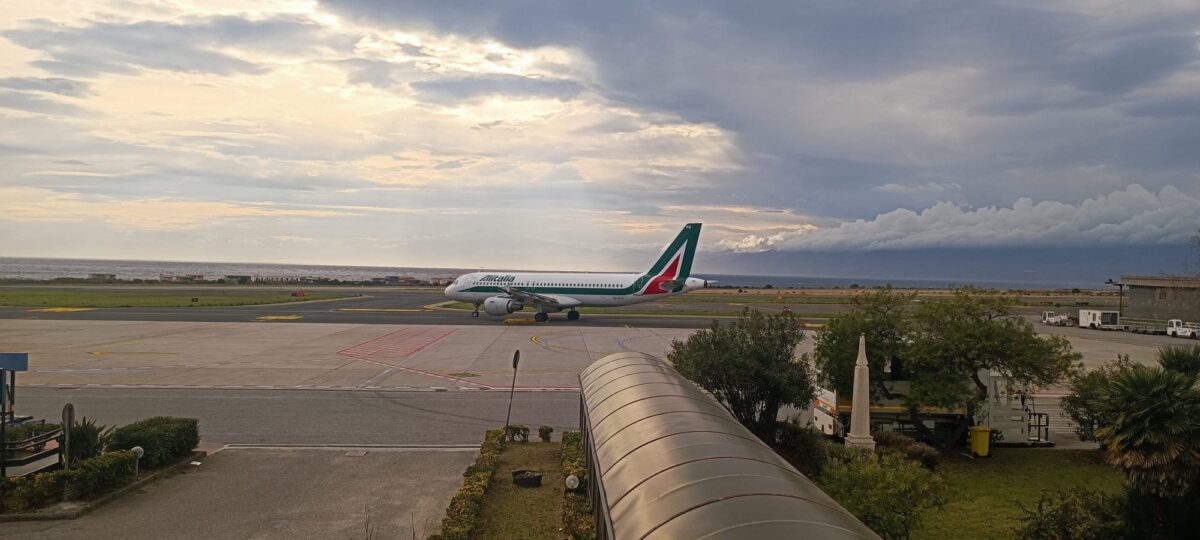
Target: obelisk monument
{"x":860,"y":409}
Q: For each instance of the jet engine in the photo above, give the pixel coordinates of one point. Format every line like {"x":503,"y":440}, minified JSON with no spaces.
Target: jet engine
{"x":499,"y":306}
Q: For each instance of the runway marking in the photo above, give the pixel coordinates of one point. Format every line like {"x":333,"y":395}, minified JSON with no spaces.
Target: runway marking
{"x":105,"y":353}
{"x":279,"y":317}
{"x":63,"y":309}
{"x":402,"y":343}
{"x":520,"y":320}
{"x":385,"y":310}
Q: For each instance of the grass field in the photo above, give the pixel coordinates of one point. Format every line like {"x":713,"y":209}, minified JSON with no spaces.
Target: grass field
{"x":984,"y":493}
{"x":84,"y":298}
{"x":516,"y":512}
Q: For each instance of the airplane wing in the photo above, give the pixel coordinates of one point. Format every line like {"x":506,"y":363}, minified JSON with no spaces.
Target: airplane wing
{"x":553,"y":300}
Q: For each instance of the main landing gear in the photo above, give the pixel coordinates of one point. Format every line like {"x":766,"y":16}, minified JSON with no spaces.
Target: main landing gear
{"x":476,"y":312}
{"x":541,"y":317}
{"x":572,"y":315}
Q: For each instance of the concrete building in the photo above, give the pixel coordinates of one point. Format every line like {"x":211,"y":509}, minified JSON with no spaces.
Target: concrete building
{"x":1162,"y":297}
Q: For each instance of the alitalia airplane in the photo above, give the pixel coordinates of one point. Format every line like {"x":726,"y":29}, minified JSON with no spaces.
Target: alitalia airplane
{"x":502,"y":294}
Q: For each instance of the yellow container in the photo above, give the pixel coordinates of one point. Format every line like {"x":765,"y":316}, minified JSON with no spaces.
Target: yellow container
{"x":981,"y":439}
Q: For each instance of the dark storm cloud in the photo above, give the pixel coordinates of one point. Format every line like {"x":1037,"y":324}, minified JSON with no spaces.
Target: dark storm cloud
{"x":1037,"y":91}
{"x":193,"y":45}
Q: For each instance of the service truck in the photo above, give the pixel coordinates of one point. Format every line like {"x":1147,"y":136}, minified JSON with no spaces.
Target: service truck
{"x":1100,"y":319}
{"x":1178,"y":328}
{"x":1048,"y":317}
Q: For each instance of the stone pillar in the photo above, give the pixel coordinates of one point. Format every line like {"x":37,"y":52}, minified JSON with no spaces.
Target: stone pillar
{"x":860,"y":409}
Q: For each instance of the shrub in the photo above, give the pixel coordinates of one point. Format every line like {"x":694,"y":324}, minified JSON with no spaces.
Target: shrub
{"x":92,"y":477}
{"x":573,"y":462}
{"x":463,"y":513}
{"x":518,"y":432}
{"x":888,"y":492}
{"x":163,"y":438}
{"x":88,"y":440}
{"x":577,"y":518}
{"x":1077,"y":514}
{"x":544,"y":432}
{"x":802,"y":446}
{"x":101,"y":474}
{"x":890,"y":441}
{"x":842,"y":454}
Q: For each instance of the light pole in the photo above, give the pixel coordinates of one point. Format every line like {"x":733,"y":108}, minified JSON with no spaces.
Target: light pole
{"x":516,"y":360}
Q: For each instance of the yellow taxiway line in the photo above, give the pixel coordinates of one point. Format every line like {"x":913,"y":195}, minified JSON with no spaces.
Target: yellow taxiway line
{"x":63,"y":309}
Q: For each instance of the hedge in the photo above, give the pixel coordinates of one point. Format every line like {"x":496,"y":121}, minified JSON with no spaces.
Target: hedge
{"x":92,"y":477}
{"x":165,"y":439}
{"x":465,"y":508}
{"x":578,"y":521}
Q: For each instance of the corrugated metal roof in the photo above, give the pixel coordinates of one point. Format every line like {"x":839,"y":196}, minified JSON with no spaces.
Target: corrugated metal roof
{"x":673,"y":463}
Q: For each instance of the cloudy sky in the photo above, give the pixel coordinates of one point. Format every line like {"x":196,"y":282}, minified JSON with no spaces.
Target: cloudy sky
{"x":568,"y":134}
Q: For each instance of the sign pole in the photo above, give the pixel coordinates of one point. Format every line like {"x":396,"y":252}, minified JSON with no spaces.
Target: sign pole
{"x":512,"y":390}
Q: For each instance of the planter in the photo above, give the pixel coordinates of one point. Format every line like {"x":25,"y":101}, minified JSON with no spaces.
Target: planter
{"x":526,"y":478}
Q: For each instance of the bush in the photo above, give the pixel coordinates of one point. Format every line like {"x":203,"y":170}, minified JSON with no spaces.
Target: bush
{"x":544,"y":432}
{"x":890,"y":441}
{"x":88,"y":440}
{"x":802,"y":446}
{"x":463,"y":513}
{"x":164,"y":438}
{"x":888,"y":492}
{"x":518,"y":432}
{"x":101,"y":474}
{"x":1077,"y":514}
{"x":577,"y":518}
{"x":27,"y":430}
{"x":92,"y":477}
{"x":573,"y":462}
{"x":842,"y":454}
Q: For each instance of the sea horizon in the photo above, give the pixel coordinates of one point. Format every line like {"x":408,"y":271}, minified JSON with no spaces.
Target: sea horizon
{"x":49,"y":268}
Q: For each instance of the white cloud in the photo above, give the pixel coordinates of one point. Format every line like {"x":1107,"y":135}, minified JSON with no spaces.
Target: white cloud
{"x":1134,"y":215}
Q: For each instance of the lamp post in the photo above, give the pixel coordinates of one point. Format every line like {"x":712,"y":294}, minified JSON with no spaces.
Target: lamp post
{"x":139,"y":452}
{"x":511,"y":390}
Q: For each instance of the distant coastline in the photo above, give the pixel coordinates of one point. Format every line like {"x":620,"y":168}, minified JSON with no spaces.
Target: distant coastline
{"x":47,"y":269}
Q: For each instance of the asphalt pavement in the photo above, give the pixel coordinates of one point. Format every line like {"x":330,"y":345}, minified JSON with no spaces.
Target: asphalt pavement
{"x":315,"y":417}
{"x":412,"y":306}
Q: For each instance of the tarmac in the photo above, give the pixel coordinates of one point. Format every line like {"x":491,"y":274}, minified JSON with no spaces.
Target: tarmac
{"x":279,"y":493}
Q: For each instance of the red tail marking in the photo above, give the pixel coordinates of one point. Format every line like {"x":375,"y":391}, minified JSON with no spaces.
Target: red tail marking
{"x":656,"y":285}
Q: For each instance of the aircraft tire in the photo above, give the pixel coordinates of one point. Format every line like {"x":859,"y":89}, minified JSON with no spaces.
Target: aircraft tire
{"x":572,"y":315}
{"x":540,"y":317}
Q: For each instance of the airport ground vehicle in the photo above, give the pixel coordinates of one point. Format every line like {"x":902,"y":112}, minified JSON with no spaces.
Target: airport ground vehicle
{"x":1050,"y":318}
{"x":1178,"y":328}
{"x":1100,"y":319}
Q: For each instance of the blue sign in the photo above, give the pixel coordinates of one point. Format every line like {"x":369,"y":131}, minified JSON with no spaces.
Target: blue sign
{"x":14,"y":361}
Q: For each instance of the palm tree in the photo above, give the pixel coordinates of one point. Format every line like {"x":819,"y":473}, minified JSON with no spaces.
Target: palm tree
{"x":1155,"y":436}
{"x":1181,"y":359}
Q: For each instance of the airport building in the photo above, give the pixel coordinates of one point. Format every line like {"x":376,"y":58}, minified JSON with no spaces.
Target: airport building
{"x":1162,"y":297}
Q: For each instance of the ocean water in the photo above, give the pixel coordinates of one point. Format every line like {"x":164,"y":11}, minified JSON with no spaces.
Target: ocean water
{"x":46,"y":269}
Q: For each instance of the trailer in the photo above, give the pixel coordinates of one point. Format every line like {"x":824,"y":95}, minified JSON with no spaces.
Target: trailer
{"x":1050,"y":318}
{"x":1100,"y":319}
{"x":1178,"y":328}
{"x":1148,"y":327}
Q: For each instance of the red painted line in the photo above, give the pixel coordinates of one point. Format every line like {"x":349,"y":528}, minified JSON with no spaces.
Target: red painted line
{"x":435,"y":340}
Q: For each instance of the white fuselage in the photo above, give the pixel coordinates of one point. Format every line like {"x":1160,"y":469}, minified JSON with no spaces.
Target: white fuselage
{"x":585,"y":289}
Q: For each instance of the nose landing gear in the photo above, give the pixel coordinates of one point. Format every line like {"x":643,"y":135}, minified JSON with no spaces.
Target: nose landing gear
{"x":572,"y":315}
{"x":476,"y":312}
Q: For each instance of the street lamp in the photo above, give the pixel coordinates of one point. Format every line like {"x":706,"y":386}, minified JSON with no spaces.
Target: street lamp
{"x":139,"y":452}
{"x":1120,"y":296}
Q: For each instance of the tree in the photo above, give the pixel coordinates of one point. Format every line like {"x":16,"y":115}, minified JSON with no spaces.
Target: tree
{"x":1085,"y":404}
{"x":888,"y":492}
{"x":880,"y":315}
{"x":945,"y":349}
{"x":956,"y":343}
{"x":1155,"y":435}
{"x":749,"y":366}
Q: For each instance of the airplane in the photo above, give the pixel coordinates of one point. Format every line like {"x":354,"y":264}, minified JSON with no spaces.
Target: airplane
{"x":502,"y":294}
